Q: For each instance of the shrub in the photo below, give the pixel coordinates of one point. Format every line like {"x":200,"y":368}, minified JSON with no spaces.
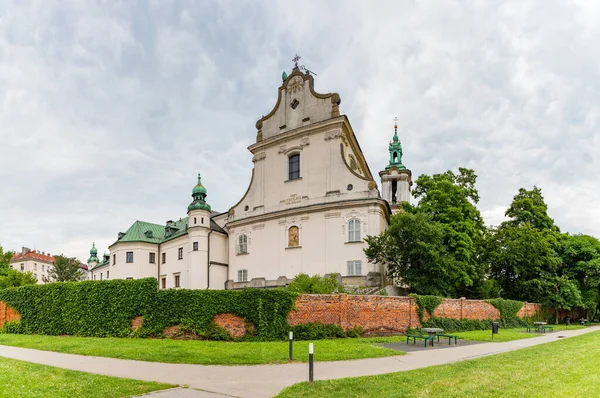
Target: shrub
{"x":429,"y":303}
{"x":318,"y":331}
{"x":508,"y":308}
{"x":316,"y":284}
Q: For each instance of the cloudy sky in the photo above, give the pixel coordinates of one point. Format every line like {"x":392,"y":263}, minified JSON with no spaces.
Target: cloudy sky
{"x":108,"y":109}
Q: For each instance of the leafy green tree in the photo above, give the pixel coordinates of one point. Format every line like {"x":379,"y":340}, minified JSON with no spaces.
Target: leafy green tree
{"x":5,"y":258}
{"x":316,"y":284}
{"x":522,"y":261}
{"x":529,"y":207}
{"x":13,"y":278}
{"x":64,"y":269}
{"x":564,"y":295}
{"x":580,"y":256}
{"x":413,"y":249}
{"x":451,"y":199}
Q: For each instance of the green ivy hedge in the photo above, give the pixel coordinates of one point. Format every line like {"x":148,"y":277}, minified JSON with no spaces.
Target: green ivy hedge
{"x":194,"y":310}
{"x":106,"y":308}
{"x":89,"y":308}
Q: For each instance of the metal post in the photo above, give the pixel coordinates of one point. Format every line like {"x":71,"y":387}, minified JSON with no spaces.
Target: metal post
{"x":311,"y":352}
{"x":291,"y":346}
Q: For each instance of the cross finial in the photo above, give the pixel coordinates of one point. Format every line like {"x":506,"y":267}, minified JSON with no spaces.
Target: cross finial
{"x":396,"y":122}
{"x":295,"y":61}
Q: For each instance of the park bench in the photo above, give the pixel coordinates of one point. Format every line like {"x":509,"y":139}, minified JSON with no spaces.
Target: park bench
{"x":530,"y":327}
{"x":549,"y":328}
{"x":416,"y":336}
{"x":449,"y":336}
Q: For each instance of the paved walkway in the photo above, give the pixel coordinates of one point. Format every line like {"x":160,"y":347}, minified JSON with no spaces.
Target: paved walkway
{"x":269,"y":380}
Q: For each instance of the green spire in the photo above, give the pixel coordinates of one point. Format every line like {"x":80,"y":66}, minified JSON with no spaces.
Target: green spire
{"x":199,"y":195}
{"x":395,"y":149}
{"x":284,"y":76}
{"x":93,"y":254}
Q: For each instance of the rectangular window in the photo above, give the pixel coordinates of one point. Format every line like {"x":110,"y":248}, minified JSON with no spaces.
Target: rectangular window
{"x":107,"y":274}
{"x":152,"y":258}
{"x":354,"y":268}
{"x":35,"y":276}
{"x":100,"y":275}
{"x":180,"y":253}
{"x":354,"y":230}
{"x":129,"y":257}
{"x":22,"y":268}
{"x":43,"y":267}
{"x":164,"y":283}
{"x":242,"y":244}
{"x":94,"y":277}
{"x":177,"y":280}
{"x":294,"y":167}
{"x":114,"y":259}
{"x":195,"y":245}
{"x":242,"y":275}
{"x":164,"y":258}
{"x":35,"y":266}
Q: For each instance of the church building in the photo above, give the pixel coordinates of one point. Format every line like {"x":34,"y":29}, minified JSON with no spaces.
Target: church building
{"x":310,"y":202}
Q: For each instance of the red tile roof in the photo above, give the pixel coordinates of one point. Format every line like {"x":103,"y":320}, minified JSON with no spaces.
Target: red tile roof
{"x":32,"y":255}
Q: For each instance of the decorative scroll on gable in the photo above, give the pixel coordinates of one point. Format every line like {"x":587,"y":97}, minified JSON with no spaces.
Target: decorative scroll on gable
{"x":297,"y":105}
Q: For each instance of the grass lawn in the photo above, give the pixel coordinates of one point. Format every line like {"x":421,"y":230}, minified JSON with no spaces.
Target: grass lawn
{"x":507,"y":334}
{"x":25,"y":379}
{"x":566,"y":368}
{"x":204,"y":352}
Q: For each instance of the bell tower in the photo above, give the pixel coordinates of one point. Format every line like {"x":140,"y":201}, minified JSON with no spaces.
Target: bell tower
{"x":396,"y":179}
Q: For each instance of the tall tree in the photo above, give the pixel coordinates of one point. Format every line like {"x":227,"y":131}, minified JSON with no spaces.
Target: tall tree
{"x":64,"y":269}
{"x":580,"y":256}
{"x":522,"y":261}
{"x":413,"y":250}
{"x":529,"y":207}
{"x":451,"y":200}
{"x":436,"y":246}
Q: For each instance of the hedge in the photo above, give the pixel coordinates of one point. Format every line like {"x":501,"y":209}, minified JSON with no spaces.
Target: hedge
{"x":106,"y":308}
{"x":89,"y":308}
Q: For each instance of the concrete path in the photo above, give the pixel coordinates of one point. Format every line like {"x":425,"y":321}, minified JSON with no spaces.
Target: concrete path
{"x":269,"y":380}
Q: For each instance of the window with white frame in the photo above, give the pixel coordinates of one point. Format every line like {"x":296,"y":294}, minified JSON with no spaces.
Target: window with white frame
{"x":180,"y":253}
{"x":195,"y":246}
{"x":354,"y":230}
{"x":242,"y":244}
{"x":129,"y":257}
{"x":354,"y":267}
{"x":242,"y":275}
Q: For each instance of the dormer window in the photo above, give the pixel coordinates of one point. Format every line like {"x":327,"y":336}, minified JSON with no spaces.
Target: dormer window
{"x":294,"y":167}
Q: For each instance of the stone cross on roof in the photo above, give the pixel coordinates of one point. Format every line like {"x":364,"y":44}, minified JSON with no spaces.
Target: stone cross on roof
{"x":295,"y":61}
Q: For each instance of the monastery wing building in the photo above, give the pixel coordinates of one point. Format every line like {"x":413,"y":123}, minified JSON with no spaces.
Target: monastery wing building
{"x":310,"y":203}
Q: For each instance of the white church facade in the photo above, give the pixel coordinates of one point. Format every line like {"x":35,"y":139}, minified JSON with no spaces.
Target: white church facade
{"x":309,"y":205}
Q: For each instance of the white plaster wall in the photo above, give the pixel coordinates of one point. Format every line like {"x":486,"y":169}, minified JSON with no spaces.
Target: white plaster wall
{"x":173,"y":266}
{"x":323,"y":240}
{"x":139,"y":268}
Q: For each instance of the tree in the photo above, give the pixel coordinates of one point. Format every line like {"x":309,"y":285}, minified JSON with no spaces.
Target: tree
{"x":450,"y":199}
{"x":522,"y":261}
{"x":10,"y":277}
{"x":413,"y":249}
{"x":14,"y":278}
{"x":564,"y":296}
{"x":580,"y":255}
{"x":5,"y":258}
{"x":64,"y":269}
{"x":528,"y":207}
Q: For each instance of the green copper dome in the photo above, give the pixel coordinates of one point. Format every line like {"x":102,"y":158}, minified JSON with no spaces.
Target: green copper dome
{"x":199,"y":195}
{"x":93,"y":254}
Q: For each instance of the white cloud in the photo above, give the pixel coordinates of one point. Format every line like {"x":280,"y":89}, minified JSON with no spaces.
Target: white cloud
{"x":108,"y":110}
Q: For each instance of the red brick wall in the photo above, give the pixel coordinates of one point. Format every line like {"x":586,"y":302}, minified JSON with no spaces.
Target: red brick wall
{"x":530,"y":310}
{"x":235,"y":325}
{"x":7,"y":314}
{"x":387,"y":315}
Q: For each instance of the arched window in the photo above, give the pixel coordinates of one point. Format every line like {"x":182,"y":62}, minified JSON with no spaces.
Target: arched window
{"x":354,"y":230}
{"x":293,"y":237}
{"x":242,"y":244}
{"x":294,"y":167}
